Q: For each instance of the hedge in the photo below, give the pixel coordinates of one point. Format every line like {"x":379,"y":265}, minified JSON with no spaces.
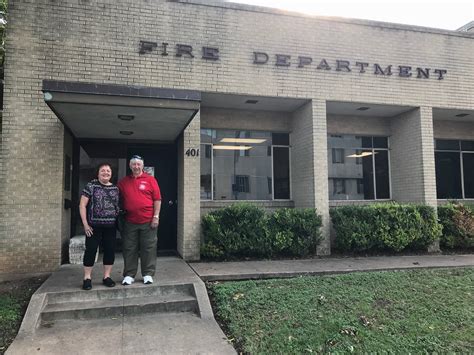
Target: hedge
{"x":458,"y":225}
{"x":245,"y":230}
{"x":390,"y":226}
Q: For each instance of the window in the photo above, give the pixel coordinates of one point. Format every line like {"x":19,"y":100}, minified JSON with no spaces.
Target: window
{"x":281,"y":172}
{"x":244,"y":165}
{"x":360,"y":186}
{"x":359,"y":168}
{"x":358,"y":157}
{"x":206,"y":171}
{"x":242,"y":183}
{"x":339,"y":186}
{"x":337,"y":156}
{"x":454,"y":161}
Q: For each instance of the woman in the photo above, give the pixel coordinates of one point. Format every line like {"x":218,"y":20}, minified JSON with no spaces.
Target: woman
{"x":98,"y":207}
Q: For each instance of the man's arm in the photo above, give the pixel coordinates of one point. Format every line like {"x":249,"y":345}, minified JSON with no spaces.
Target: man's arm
{"x":156,"y":213}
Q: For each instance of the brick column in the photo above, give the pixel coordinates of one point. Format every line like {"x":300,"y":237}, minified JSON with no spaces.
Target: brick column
{"x":189,"y":208}
{"x":309,"y":172}
{"x":412,"y":159}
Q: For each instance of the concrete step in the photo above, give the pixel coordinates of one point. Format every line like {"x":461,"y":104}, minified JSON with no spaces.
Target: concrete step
{"x":119,"y":292}
{"x":118,"y":307}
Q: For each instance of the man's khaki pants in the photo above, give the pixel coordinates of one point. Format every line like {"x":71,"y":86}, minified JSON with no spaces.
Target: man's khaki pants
{"x":139,"y":240}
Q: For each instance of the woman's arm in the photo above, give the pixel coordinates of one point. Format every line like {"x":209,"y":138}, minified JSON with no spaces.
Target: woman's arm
{"x":83,"y":212}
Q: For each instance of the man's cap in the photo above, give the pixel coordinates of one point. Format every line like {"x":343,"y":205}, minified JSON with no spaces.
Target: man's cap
{"x":136,"y":157}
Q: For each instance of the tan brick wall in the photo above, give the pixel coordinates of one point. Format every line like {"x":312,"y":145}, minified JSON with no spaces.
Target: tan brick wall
{"x":374,"y":126}
{"x":189,"y":214}
{"x":412,"y":157}
{"x":302,"y":157}
{"x":453,"y":130}
{"x":321,"y":172}
{"x":309,"y":171}
{"x":97,"y":41}
{"x":245,"y":120}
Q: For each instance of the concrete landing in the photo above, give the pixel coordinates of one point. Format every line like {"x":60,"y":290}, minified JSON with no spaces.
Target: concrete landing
{"x":171,"y":316}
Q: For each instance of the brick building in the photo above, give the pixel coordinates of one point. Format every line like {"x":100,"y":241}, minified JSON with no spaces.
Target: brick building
{"x":225,"y":102}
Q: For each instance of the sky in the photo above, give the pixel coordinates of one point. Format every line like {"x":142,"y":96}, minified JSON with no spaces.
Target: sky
{"x":449,"y":15}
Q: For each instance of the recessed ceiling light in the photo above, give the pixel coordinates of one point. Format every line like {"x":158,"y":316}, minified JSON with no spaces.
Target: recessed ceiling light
{"x":251,"y":101}
{"x":462,"y":115}
{"x":363,"y":108}
{"x":126,"y":117}
{"x":231,"y":147}
{"x":126,"y":133}
{"x":243,"y":140}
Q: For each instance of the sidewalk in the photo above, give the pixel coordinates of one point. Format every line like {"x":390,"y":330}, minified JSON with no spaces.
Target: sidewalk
{"x":172,"y":316}
{"x":213,"y":271}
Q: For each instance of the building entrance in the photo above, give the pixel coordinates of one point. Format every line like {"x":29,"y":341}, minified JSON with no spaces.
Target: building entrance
{"x":160,"y":162}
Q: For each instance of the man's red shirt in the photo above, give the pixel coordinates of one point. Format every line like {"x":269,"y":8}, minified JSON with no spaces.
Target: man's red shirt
{"x":137,"y":197}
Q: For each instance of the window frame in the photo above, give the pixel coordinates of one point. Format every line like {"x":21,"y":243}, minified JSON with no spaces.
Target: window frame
{"x":461,"y":152}
{"x":271,"y":166}
{"x":373,"y":150}
{"x":290,"y":197}
{"x":212,"y":172}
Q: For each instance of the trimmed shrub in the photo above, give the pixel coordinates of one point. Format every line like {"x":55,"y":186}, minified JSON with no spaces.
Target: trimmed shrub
{"x":458,"y":225}
{"x":387,"y":226}
{"x":235,"y":231}
{"x":245,"y":230}
{"x":294,"y":232}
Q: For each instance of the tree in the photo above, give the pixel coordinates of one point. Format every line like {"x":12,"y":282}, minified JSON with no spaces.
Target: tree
{"x":3,"y":23}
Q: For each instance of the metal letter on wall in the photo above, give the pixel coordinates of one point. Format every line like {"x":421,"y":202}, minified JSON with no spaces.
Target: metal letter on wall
{"x":404,"y":71}
{"x":379,"y":70}
{"x":440,"y":72}
{"x":323,"y":65}
{"x":342,"y":64}
{"x":260,"y":58}
{"x":210,"y":53}
{"x":146,"y":46}
{"x":282,"y":60}
{"x":184,"y":49}
{"x":302,"y":61}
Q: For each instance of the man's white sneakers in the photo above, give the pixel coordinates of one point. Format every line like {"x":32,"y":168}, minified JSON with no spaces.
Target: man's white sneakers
{"x":147,"y":280}
{"x":128,"y":280}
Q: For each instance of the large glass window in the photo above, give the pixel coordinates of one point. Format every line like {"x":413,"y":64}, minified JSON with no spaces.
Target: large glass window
{"x":358,"y":167}
{"x":244,"y":165}
{"x":454,"y":161}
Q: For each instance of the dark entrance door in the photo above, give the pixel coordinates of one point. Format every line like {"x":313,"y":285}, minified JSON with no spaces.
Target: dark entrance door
{"x":163,"y":159}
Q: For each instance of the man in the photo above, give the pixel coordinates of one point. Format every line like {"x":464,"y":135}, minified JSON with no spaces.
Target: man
{"x":141,"y":199}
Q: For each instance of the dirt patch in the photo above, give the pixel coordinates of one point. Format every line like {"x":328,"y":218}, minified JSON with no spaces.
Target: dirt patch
{"x":14,"y":298}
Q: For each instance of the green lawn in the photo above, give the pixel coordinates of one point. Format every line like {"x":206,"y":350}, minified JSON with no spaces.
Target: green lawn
{"x":407,"y":311}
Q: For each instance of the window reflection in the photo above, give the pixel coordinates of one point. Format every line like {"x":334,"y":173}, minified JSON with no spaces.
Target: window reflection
{"x":241,"y":165}
{"x":351,"y":163}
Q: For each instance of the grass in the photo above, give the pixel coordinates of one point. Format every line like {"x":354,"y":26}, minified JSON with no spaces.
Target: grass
{"x":14,"y":299}
{"x":397,"y":312}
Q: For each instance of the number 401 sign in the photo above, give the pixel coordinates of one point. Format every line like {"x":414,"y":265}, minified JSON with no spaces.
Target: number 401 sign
{"x":192,"y":152}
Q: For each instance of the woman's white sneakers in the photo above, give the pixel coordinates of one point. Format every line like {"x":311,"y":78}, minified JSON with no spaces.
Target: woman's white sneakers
{"x":128,"y":280}
{"x":147,"y":280}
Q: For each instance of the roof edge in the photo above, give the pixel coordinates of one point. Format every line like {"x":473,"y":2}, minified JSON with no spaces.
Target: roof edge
{"x":360,"y":22}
